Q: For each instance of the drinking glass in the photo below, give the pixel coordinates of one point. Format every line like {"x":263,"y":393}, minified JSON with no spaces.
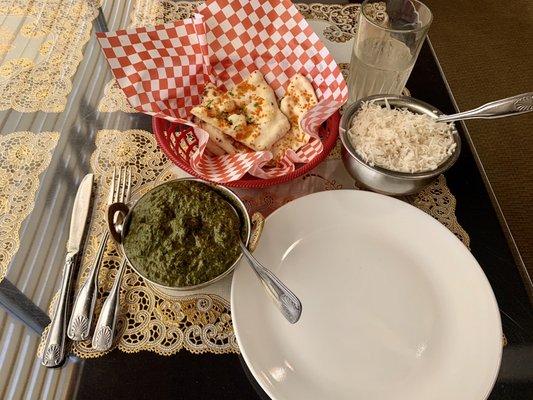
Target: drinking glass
{"x":388,"y":40}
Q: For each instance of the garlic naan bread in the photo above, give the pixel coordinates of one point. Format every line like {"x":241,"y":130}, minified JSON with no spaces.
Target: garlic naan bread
{"x":249,"y":113}
{"x":214,"y":149}
{"x":226,"y":143}
{"x":299,"y":98}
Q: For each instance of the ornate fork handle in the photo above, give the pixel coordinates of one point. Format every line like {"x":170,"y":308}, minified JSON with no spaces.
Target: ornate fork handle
{"x":515,"y":105}
{"x":82,"y":312}
{"x":107,"y":320}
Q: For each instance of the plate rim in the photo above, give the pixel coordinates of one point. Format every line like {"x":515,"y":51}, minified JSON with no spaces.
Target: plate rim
{"x":491,"y":295}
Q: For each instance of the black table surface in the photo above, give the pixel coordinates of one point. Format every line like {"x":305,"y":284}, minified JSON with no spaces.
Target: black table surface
{"x":147,"y":375}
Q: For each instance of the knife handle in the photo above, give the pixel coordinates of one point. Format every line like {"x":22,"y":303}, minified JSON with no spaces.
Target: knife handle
{"x":55,"y":348}
{"x":79,"y":327}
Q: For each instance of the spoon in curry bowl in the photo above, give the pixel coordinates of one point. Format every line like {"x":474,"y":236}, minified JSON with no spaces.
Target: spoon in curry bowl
{"x":287,"y":302}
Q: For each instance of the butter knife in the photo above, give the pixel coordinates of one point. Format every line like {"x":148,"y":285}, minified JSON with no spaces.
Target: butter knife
{"x":55,"y":348}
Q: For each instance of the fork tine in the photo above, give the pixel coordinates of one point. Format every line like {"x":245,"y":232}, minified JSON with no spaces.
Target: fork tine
{"x":116,"y":193}
{"x":128,"y":186}
{"x":122,"y":193}
{"x":110,"y":198}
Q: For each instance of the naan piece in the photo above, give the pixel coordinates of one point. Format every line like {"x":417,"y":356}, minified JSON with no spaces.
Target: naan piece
{"x":224,"y":142}
{"x":249,"y":112}
{"x":213,"y":148}
{"x":299,"y":98}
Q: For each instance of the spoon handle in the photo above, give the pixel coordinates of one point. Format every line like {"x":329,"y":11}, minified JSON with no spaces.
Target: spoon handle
{"x":104,"y":331}
{"x":519,"y":104}
{"x":289,"y":305}
{"x":79,"y":327}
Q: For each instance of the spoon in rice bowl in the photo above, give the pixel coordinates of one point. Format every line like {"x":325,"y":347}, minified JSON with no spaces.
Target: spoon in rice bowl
{"x":515,"y":105}
{"x":397,"y":145}
{"x":376,"y":165}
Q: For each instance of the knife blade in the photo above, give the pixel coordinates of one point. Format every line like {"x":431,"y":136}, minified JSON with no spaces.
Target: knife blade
{"x":55,"y":348}
{"x":80,"y":211}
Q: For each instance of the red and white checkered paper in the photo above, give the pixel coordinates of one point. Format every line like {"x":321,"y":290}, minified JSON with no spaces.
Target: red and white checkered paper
{"x":163,"y":71}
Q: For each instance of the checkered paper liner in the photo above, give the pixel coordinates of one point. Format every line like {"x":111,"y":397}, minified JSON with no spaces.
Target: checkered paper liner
{"x":163,"y":70}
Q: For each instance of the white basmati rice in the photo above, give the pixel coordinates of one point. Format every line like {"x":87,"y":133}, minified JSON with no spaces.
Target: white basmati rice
{"x":399,"y":140}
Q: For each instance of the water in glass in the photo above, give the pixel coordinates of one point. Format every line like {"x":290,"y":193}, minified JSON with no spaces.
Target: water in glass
{"x":379,"y":66}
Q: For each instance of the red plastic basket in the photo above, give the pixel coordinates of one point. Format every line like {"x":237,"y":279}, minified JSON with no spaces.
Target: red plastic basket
{"x":178,"y":142}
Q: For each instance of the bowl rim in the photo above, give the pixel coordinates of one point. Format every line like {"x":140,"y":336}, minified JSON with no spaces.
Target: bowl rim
{"x":420,"y":107}
{"x":231,"y":196}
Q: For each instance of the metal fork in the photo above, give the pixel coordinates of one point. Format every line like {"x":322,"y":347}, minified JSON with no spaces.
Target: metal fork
{"x":107,"y":320}
{"x":82,"y":312}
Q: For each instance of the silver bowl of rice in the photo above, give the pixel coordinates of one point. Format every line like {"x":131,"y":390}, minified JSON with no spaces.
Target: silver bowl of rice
{"x":393,"y":144}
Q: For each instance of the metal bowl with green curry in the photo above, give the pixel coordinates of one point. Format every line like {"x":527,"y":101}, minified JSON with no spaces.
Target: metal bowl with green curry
{"x":183,"y":234}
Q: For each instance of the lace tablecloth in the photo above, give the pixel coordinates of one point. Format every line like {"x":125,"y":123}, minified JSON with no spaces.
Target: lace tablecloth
{"x":200,"y":322}
{"x":41,"y":44}
{"x":23,"y":157}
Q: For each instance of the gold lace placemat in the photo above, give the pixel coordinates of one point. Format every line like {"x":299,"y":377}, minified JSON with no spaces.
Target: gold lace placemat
{"x":23,"y":157}
{"x":340,"y":27}
{"x":41,"y":44}
{"x":151,"y":320}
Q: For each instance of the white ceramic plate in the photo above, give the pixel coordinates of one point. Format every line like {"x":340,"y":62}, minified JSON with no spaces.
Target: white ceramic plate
{"x":394,"y":306}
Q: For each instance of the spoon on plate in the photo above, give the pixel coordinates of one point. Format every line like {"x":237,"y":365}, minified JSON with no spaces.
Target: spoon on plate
{"x":287,"y":302}
{"x":519,"y":104}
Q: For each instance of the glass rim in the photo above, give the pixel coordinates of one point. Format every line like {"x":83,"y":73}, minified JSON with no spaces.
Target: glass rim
{"x":420,"y":28}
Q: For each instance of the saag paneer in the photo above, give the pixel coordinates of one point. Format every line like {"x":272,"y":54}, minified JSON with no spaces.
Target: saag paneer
{"x":183,"y":233}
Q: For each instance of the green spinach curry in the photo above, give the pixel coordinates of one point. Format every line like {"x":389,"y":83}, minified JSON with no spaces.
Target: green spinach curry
{"x":182,"y":233}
